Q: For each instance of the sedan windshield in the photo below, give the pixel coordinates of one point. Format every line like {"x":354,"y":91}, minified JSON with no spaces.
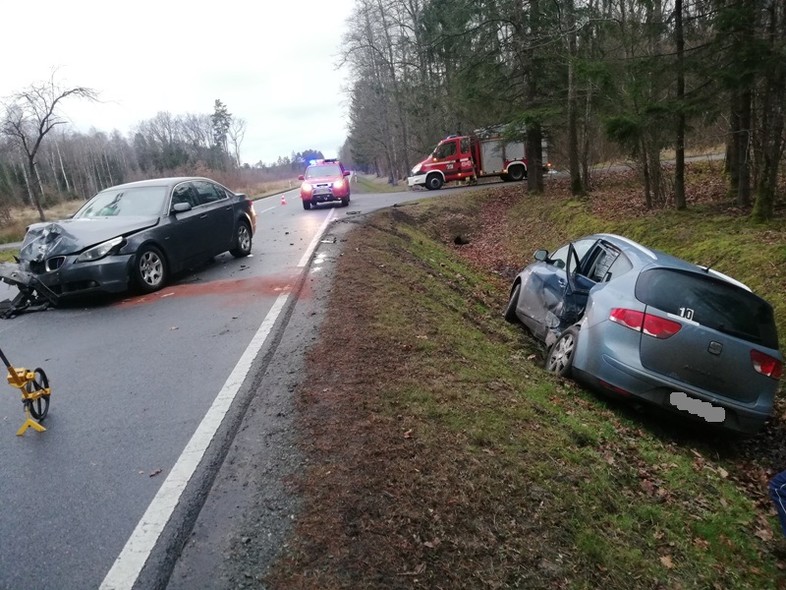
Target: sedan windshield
{"x":130,"y":202}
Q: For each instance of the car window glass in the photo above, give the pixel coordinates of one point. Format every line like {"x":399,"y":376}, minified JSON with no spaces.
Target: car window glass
{"x":323,"y":171}
{"x":619,"y":267}
{"x":206,"y":192}
{"x":184,"y":194}
{"x":445,"y":150}
{"x":560,"y":256}
{"x":599,"y":262}
{"x":710,"y":302}
{"x":143,"y":201}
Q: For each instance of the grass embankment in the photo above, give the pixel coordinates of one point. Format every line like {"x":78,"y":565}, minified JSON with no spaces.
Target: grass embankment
{"x":441,"y":455}
{"x":367,"y":183}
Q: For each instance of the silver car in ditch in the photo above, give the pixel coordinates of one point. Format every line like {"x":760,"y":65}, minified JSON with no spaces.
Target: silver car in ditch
{"x":639,"y":323}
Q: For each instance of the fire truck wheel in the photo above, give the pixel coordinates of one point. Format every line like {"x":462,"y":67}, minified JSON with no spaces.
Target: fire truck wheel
{"x":434,"y":182}
{"x":517,"y":173}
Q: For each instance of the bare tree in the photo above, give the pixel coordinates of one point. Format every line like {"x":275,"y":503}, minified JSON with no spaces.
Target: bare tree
{"x":236,"y":133}
{"x":30,"y":116}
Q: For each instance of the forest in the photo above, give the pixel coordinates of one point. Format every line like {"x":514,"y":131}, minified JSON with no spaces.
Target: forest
{"x":596,"y":80}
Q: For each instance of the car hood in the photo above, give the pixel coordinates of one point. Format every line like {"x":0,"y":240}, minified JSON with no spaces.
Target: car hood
{"x":69,"y":236}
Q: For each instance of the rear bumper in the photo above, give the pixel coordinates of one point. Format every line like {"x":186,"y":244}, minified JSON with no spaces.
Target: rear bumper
{"x":626,"y":381}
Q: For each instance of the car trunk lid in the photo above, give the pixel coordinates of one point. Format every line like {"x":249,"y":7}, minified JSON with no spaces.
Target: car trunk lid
{"x":718,"y":333}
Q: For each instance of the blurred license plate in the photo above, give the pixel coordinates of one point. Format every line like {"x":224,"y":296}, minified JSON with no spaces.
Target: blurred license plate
{"x":697,"y":407}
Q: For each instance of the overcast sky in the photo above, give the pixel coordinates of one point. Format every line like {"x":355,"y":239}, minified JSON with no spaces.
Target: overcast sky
{"x":272,"y":63}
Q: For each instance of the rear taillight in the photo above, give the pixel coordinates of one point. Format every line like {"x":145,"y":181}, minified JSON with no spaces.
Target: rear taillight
{"x":627,"y":317}
{"x":766,"y":365}
{"x":651,"y":325}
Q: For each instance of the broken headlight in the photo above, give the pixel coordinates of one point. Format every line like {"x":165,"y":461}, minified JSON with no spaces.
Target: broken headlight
{"x":98,"y":252}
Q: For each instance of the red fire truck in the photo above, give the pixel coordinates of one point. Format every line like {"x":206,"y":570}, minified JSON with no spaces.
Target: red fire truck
{"x":482,"y":154}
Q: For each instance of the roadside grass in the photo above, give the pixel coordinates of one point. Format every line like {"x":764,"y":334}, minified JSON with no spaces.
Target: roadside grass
{"x":441,"y":455}
{"x":13,"y":228}
{"x":368,"y":183}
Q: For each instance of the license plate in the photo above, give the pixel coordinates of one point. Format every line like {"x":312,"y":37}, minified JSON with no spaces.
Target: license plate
{"x":697,"y":407}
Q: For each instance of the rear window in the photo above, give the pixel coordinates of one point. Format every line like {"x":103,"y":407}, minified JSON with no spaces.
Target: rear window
{"x":710,"y":302}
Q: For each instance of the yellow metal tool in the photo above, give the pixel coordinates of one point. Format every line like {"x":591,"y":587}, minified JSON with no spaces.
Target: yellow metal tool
{"x":34,"y":386}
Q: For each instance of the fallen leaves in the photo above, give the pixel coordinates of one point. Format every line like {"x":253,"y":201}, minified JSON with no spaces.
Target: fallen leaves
{"x":667,"y":562}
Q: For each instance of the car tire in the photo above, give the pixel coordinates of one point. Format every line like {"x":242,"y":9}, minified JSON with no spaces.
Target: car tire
{"x":345,"y":202}
{"x":510,"y":310}
{"x":242,"y":240}
{"x":560,"y":357}
{"x":150,"y":269}
{"x":306,"y":205}
{"x":434,"y":182}
{"x":517,"y":173}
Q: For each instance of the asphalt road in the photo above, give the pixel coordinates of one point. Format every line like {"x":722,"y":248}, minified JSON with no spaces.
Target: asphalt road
{"x":148,"y":394}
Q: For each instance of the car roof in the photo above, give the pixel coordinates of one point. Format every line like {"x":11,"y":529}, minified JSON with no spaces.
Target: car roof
{"x":325,"y":162}
{"x":167,"y":181}
{"x":645,"y":256}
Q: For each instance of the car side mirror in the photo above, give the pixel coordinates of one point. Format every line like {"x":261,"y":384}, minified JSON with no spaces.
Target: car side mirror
{"x":181,"y":207}
{"x":347,"y":172}
{"x":541,"y":255}
{"x":301,"y":177}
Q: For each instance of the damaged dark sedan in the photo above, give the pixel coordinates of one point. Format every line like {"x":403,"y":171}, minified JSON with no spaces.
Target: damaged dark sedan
{"x":137,"y":235}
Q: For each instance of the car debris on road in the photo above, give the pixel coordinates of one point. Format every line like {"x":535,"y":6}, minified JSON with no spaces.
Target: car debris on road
{"x":33,"y":294}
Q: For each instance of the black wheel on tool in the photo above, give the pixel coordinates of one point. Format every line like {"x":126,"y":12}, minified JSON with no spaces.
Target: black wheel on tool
{"x":40,"y":406}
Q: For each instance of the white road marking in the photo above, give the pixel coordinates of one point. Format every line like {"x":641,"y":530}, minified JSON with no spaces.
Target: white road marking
{"x":318,"y":236}
{"x":266,"y":210}
{"x":127,"y":567}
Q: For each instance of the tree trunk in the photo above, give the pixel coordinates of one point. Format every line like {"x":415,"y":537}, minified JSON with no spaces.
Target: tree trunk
{"x":679,"y":171}
{"x":34,"y":186}
{"x":62,"y":167}
{"x":646,"y":175}
{"x":585,"y":150}
{"x":576,"y":187}
{"x":743,"y":150}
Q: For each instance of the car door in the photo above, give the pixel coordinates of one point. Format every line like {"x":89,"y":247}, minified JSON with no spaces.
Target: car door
{"x":215,"y":208}
{"x":185,"y":237}
{"x":551,"y":296}
{"x":447,"y":154}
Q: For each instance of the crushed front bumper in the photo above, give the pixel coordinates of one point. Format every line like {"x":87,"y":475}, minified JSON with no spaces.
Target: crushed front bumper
{"x":33,"y":295}
{"x":40,"y":290}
